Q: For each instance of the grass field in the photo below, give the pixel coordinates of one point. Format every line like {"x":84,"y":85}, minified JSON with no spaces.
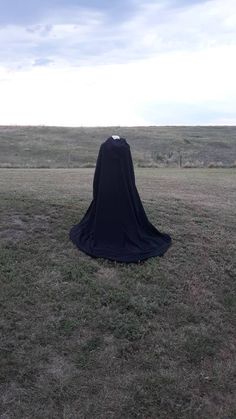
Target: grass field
{"x":89,"y":338}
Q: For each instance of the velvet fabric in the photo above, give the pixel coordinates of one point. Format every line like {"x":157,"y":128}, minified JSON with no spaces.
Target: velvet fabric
{"x":115,"y":225}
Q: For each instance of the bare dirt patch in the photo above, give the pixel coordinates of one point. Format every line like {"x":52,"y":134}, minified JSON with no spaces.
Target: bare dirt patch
{"x":108,"y":276}
{"x":16,"y":227}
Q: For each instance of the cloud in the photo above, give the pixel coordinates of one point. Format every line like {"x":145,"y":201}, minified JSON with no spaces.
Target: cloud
{"x":42,"y":62}
{"x":28,"y":12}
{"x":179,"y":89}
{"x":21,"y":46}
{"x":83,"y":36}
{"x":158,"y":62}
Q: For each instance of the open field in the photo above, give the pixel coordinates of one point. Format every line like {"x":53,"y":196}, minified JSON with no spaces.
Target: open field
{"x":89,"y":338}
{"x":152,"y":146}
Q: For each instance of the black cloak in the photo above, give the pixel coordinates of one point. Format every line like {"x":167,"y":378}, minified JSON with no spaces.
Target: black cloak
{"x":115,"y":226}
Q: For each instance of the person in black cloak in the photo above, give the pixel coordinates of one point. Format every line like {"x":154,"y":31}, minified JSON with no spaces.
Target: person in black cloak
{"x":115,"y":225}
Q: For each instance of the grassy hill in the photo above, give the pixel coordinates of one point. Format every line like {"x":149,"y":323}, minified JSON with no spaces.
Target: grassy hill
{"x":55,"y":147}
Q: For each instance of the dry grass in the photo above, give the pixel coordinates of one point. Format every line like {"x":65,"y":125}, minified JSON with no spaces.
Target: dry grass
{"x":89,"y":338}
{"x":153,"y":146}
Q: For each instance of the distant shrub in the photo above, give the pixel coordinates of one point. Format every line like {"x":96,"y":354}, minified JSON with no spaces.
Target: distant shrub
{"x":140,"y":163}
{"x":147,"y":164}
{"x":189,"y":164}
{"x":215,"y":164}
{"x":88,"y":165}
{"x":8,"y":165}
{"x":158,"y":157}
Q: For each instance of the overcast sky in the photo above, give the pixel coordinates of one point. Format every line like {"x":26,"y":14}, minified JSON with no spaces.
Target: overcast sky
{"x":117,"y":62}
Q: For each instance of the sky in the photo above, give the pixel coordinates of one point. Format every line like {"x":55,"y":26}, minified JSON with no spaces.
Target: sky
{"x":117,"y":62}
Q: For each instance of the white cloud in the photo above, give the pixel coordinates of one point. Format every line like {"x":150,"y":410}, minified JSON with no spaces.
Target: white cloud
{"x":184,"y":57}
{"x":87,"y":37}
{"x":115,"y":94}
{"x":65,"y":96}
